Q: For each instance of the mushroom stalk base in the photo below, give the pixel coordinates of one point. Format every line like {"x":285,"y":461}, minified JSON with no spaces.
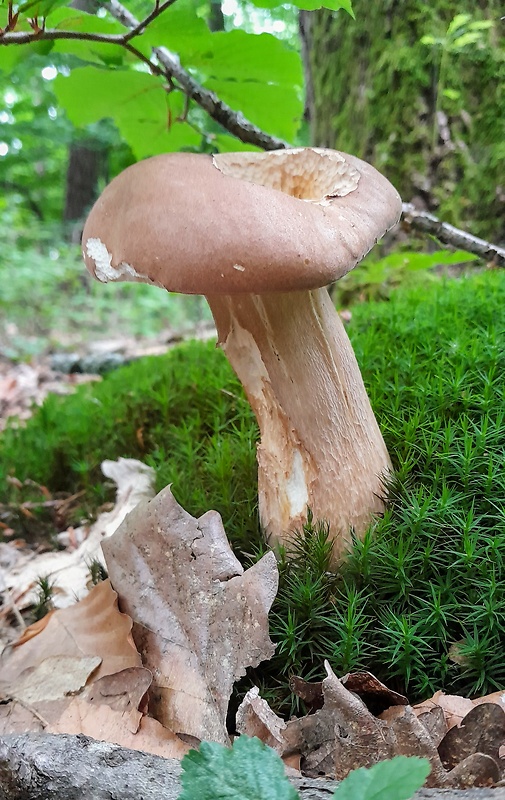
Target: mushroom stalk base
{"x":321,"y":447}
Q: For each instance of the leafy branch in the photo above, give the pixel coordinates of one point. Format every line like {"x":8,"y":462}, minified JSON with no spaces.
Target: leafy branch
{"x":167,"y":65}
{"x":233,"y":121}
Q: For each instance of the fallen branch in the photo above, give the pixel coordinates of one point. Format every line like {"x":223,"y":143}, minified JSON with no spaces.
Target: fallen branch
{"x":448,"y":234}
{"x":37,"y":765}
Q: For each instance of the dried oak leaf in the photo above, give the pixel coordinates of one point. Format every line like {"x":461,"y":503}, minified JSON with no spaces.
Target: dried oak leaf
{"x":481,"y":731}
{"x":199,"y":619}
{"x":375,"y":694}
{"x":454,"y":707}
{"x":310,"y":693}
{"x":108,"y":724}
{"x":435,"y":723}
{"x":92,"y":627}
{"x":256,"y":718}
{"x":124,"y":691}
{"x":344,"y":735}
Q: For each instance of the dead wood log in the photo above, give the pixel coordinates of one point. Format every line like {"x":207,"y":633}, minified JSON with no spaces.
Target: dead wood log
{"x":42,"y":766}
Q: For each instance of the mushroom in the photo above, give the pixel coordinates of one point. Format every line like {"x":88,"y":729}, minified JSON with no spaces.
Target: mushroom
{"x":261,"y":235}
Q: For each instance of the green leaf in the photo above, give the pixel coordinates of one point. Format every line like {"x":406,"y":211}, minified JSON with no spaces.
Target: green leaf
{"x":68,"y":19}
{"x":276,"y":109}
{"x":179,"y":29}
{"x":397,"y":779}
{"x":137,"y":102}
{"x":249,"y":56}
{"x":229,"y":144}
{"x":309,"y":5}
{"x":481,"y":25}
{"x":254,"y":73}
{"x":431,"y":41}
{"x":458,"y":22}
{"x":249,"y":770}
{"x":451,"y":94}
{"x":40,"y":8}
{"x":9,"y":56}
{"x":465,"y":39}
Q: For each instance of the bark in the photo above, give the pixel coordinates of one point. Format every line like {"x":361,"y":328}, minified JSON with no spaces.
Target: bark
{"x":448,"y":234}
{"x":48,"y":767}
{"x":81,"y":182}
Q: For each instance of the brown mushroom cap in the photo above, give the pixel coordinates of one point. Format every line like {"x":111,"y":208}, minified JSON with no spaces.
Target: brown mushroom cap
{"x":239,"y":222}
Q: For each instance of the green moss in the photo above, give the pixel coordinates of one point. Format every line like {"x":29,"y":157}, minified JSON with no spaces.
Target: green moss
{"x":420,"y":601}
{"x":375,"y":94}
{"x":184,"y":414}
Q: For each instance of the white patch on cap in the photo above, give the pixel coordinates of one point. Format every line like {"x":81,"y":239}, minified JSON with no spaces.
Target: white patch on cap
{"x":296,"y":486}
{"x":239,"y":267}
{"x":105,"y":272}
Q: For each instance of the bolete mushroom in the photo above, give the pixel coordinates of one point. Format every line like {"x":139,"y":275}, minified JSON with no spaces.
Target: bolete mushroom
{"x":261,"y":235}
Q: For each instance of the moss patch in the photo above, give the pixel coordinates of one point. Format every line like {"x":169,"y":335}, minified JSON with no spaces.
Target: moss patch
{"x":420,"y":601}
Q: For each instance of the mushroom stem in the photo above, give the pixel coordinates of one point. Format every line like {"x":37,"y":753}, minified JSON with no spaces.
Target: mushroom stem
{"x":321,"y":447}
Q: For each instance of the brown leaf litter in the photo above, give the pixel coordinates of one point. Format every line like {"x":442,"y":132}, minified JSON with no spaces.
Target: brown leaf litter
{"x":350,"y":730}
{"x":68,"y":570}
{"x":24,"y":385}
{"x":158,"y":674}
{"x":203,"y":618}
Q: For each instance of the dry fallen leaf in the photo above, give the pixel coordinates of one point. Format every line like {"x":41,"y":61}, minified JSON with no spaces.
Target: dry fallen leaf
{"x":112,"y":725}
{"x":481,"y":731}
{"x":124,"y":691}
{"x":310,"y":693}
{"x":70,"y":570}
{"x":435,"y":723}
{"x":453,"y":706}
{"x":256,"y":718}
{"x":93,"y":627}
{"x":345,"y":735}
{"x":200,"y":620}
{"x":375,"y":694}
{"x":55,"y":678}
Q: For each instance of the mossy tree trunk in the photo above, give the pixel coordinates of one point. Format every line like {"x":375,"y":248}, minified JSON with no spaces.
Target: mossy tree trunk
{"x":373,"y":92}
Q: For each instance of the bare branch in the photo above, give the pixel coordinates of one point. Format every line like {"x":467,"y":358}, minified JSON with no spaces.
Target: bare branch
{"x":448,"y":234}
{"x":25,"y":37}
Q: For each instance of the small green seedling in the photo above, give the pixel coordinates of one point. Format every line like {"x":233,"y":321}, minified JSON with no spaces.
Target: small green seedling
{"x":44,"y":588}
{"x":250,"y":770}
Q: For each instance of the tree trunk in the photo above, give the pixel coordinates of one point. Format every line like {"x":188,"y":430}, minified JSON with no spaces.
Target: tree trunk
{"x":81,"y":183}
{"x":433,"y":126}
{"x":49,"y":767}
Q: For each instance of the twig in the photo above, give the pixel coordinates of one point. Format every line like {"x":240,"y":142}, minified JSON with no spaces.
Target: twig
{"x":51,"y":35}
{"x":448,"y":234}
{"x":140,"y":28}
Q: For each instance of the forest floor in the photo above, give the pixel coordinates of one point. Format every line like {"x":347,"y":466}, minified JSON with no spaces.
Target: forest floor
{"x":24,"y":384}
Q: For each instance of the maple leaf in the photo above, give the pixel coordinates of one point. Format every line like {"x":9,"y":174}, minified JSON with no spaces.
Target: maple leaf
{"x":199,"y":618}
